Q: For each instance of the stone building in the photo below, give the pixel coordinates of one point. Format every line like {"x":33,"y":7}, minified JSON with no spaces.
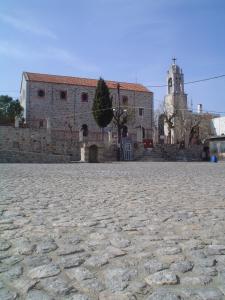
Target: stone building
{"x":175,"y":104}
{"x":65,"y":103}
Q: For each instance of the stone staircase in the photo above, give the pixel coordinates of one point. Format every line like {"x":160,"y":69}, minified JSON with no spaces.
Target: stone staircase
{"x":151,"y":154}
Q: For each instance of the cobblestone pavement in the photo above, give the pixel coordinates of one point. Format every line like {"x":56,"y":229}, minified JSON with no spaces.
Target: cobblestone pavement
{"x":120,"y":231}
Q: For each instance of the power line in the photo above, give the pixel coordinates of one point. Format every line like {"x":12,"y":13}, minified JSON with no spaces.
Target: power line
{"x":160,"y":85}
{"x":190,"y":82}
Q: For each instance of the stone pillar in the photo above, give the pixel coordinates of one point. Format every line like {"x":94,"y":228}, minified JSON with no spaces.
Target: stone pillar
{"x":84,"y":153}
{"x":110,"y":137}
{"x":48,"y":133}
{"x":48,"y":124}
{"x":17,"y":119}
{"x":81,"y":136}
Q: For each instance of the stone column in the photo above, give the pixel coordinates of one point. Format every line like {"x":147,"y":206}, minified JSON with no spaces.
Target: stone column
{"x":110,"y":137}
{"x":17,"y":119}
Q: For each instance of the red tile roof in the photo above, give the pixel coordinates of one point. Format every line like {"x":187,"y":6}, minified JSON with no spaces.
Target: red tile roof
{"x":83,"y":81}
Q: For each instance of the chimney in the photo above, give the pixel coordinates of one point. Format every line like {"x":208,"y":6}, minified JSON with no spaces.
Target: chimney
{"x":199,"y":108}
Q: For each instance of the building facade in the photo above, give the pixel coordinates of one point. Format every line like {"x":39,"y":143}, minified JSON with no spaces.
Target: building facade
{"x":65,"y":103}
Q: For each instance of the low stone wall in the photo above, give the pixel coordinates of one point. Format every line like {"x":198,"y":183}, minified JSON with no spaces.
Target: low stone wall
{"x":10,"y":156}
{"x":27,"y":144}
{"x":174,"y":153}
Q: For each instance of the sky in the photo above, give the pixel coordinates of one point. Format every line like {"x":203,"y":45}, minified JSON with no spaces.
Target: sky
{"x":121,"y":40}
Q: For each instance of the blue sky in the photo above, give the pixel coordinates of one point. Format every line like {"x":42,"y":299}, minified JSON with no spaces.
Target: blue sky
{"x":122,"y":40}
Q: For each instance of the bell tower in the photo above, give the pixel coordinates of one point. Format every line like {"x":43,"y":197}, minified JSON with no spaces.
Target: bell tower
{"x":175,"y":101}
{"x":175,"y":79}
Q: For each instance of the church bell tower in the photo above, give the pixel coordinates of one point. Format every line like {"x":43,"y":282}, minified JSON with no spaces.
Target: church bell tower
{"x":175,"y":102}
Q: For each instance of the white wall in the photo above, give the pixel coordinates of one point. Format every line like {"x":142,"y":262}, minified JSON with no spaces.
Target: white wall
{"x":218,"y":125}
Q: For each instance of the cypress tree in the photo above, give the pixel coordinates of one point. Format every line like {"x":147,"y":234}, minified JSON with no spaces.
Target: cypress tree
{"x":102,"y":105}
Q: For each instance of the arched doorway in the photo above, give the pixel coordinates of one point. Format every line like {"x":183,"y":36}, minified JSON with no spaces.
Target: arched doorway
{"x":124,"y":131}
{"x":93,"y":154}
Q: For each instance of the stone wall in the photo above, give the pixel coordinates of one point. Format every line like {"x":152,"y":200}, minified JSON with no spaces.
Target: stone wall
{"x":174,"y":153}
{"x":10,"y":156}
{"x":38,"y":143}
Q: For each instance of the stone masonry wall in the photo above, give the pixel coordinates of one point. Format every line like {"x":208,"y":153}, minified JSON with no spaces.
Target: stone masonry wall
{"x":74,"y":112}
{"x":41,"y":141}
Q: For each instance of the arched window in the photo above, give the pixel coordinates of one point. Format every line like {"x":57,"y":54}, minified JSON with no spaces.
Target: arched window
{"x":63,"y":95}
{"x":125,"y":100}
{"x":84,"y":97}
{"x":143,"y":133}
{"x":41,"y":93}
{"x":170,"y":84}
{"x":84,"y":129}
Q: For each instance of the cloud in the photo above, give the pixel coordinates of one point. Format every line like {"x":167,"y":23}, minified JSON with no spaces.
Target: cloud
{"x":49,"y":54}
{"x":27,"y":25}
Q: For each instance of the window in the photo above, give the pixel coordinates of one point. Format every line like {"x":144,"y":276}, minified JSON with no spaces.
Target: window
{"x":125,"y":100}
{"x":41,"y":93}
{"x":63,"y":95}
{"x":84,"y":97}
{"x":143,"y":132}
{"x":141,"y":111}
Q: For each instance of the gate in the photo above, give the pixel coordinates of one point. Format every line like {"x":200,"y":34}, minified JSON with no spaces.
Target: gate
{"x":126,"y":149}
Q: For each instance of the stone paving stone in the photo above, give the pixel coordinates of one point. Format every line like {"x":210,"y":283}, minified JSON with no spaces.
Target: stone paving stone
{"x":196,"y":280}
{"x":215,"y":250}
{"x":206,"y":262}
{"x":57,"y":286}
{"x":92,"y":284}
{"x":70,"y":261}
{"x":79,"y":273}
{"x":84,"y":231}
{"x":164,"y":295}
{"x":106,"y":295}
{"x":13,"y":260}
{"x":24,"y":284}
{"x":161,"y":278}
{"x":7,"y":295}
{"x":69,"y":249}
{"x":38,"y":295}
{"x":210,"y":271}
{"x":111,"y":252}
{"x":14,"y":272}
{"x":169,"y":251}
{"x":96,"y":261}
{"x":4,"y":245}
{"x":153,"y":266}
{"x":78,"y":297}
{"x":210,"y":294}
{"x":182,"y":266}
{"x":46,"y":246}
{"x":35,"y":261}
{"x":44,"y":271}
{"x":24,"y":247}
{"x":120,"y":242}
{"x":117,"y":279}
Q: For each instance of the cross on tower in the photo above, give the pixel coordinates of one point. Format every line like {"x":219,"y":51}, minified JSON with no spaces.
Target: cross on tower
{"x":174,"y":60}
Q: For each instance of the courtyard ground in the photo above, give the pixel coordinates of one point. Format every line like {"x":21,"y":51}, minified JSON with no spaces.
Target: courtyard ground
{"x":120,"y":231}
